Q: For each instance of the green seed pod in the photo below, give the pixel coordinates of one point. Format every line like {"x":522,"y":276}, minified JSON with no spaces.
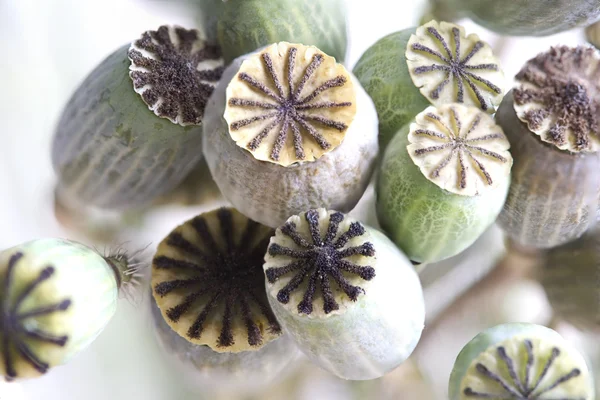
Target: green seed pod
{"x":520,"y":361}
{"x":443,"y":181}
{"x":288,"y":129}
{"x":521,"y":17}
{"x":57,"y":296}
{"x":211,"y":370}
{"x":436,"y":63}
{"x":246,"y":25}
{"x":551,"y":121}
{"x":570,"y":275}
{"x":369,"y":313}
{"x":210,"y":13}
{"x":132,"y":130}
{"x":592,"y":34}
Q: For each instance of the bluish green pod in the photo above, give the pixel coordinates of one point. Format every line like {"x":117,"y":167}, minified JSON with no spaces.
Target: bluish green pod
{"x":443,"y":181}
{"x":521,"y":17}
{"x":56,"y":296}
{"x":247,"y":25}
{"x":520,"y":361}
{"x":436,"y":63}
{"x":133,"y":129}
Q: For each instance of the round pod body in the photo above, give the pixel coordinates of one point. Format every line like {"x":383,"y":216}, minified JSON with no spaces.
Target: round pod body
{"x":247,"y":25}
{"x":57,"y":296}
{"x":521,"y":17}
{"x":132,"y":130}
{"x":288,"y":129}
{"x":208,"y":19}
{"x":520,"y":361}
{"x":570,"y":275}
{"x":551,"y":121}
{"x":199,"y":364}
{"x":351,"y":301}
{"x":436,"y":63}
{"x":443,"y":181}
{"x":592,"y":34}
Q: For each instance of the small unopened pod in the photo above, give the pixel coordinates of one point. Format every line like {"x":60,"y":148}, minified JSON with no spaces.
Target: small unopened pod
{"x":521,"y":17}
{"x":443,"y":181}
{"x":520,"y":361}
{"x":437,"y":63}
{"x":551,"y":120}
{"x":133,"y":128}
{"x":56,"y":296}
{"x":208,"y":282}
{"x":570,"y":275}
{"x":246,"y":25}
{"x":288,"y":129}
{"x":351,"y":300}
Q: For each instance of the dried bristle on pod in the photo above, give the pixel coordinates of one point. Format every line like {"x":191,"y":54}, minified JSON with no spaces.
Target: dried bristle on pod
{"x":208,"y":281}
{"x":551,"y":120}
{"x":570,"y":275}
{"x":521,"y":17}
{"x":132,"y":130}
{"x":203,"y":367}
{"x":56,"y":297}
{"x":443,"y":181}
{"x":349,"y":298}
{"x":520,"y":361}
{"x":288,"y":129}
{"x":246,"y":25}
{"x":436,"y":63}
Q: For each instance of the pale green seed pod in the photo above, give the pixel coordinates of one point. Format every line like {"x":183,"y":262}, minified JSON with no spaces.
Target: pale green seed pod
{"x":246,"y":25}
{"x":520,"y":361}
{"x":288,"y":129}
{"x":551,"y":121}
{"x":521,"y":17}
{"x":132,"y":130}
{"x":436,"y":63}
{"x":57,"y":296}
{"x":367,"y":316}
{"x":210,"y":370}
{"x":208,"y":283}
{"x":570,"y":275}
{"x":443,"y":181}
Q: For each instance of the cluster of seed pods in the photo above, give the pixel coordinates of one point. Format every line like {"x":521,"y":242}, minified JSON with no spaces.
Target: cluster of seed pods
{"x":292,"y":139}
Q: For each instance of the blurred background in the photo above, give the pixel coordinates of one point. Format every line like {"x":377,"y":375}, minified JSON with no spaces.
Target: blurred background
{"x":48,"y":47}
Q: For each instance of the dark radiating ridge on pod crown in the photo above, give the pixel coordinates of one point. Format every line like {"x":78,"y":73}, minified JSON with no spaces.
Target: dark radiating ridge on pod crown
{"x":17,"y":335}
{"x":221,"y":276}
{"x":323,"y":260}
{"x":522,"y":385}
{"x":175,"y":72}
{"x":288,"y":108}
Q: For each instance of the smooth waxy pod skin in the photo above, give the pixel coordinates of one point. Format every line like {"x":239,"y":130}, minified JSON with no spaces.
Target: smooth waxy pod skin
{"x":437,"y":63}
{"x":278,"y":146}
{"x":243,"y":370}
{"x":521,"y":17}
{"x":551,"y":121}
{"x":592,"y":34}
{"x":246,"y":25}
{"x":570,"y":275}
{"x":56,"y":297}
{"x":520,"y":361}
{"x":132,"y":130}
{"x":443,"y":181}
{"x":351,"y":301}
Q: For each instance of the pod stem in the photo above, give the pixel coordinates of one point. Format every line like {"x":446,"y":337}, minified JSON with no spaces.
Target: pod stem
{"x":128,"y":269}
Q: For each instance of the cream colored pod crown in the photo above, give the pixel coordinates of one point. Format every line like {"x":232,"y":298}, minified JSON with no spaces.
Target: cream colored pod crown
{"x":349,"y":298}
{"x":288,"y":129}
{"x":208,"y":283}
{"x":520,"y":361}
{"x":56,"y":297}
